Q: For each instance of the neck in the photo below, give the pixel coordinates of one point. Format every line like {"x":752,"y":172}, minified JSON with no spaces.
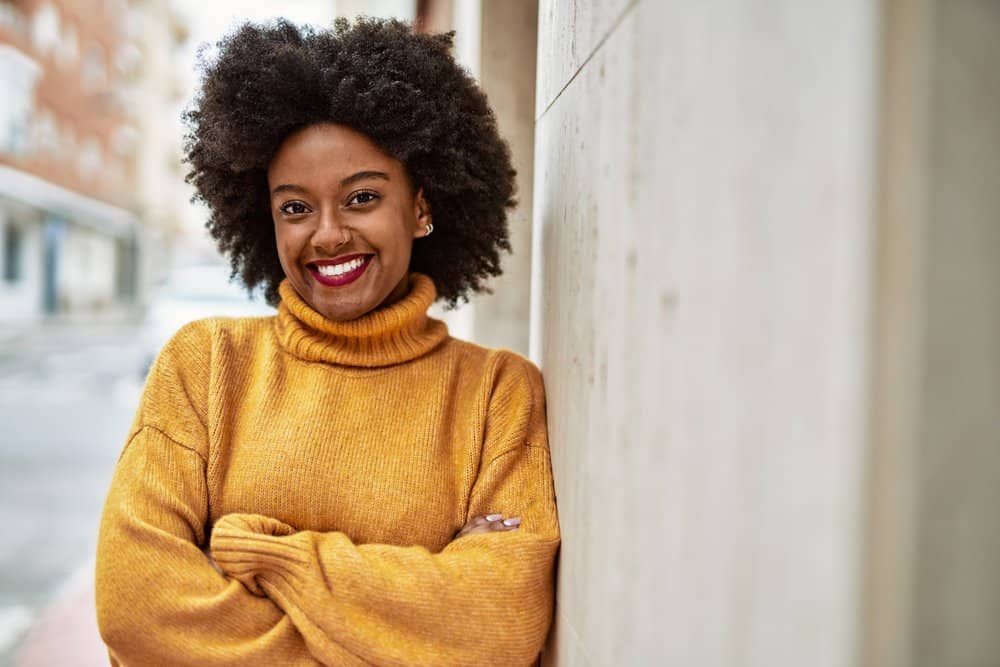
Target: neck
{"x":396,"y":332}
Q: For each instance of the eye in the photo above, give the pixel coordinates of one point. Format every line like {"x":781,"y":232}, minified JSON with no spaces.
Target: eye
{"x":293,"y":208}
{"x":362,"y":197}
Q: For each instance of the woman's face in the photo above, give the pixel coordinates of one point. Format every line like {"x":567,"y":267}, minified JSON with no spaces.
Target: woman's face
{"x":345,"y":216}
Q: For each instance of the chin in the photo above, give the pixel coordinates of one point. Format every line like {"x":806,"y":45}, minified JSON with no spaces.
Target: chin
{"x":342,"y":312}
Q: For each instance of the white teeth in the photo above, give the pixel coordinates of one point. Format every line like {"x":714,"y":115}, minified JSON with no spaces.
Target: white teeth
{"x":338,"y":269}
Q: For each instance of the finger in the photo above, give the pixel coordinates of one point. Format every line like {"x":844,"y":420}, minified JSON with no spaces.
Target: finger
{"x":506,"y":524}
{"x":488,"y":524}
{"x":477,"y":524}
{"x":483,"y":520}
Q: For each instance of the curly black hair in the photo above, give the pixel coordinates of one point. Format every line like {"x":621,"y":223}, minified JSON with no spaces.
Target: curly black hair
{"x":400,"y":88}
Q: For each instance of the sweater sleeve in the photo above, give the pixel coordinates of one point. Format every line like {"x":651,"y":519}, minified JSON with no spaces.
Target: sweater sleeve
{"x":159,"y":599}
{"x":485,"y":599}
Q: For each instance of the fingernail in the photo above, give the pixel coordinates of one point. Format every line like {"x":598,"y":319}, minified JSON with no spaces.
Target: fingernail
{"x":512,"y":521}
{"x":493,"y":517}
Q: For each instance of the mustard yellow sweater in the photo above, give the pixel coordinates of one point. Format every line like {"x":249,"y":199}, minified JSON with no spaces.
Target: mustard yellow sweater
{"x":327,"y":467}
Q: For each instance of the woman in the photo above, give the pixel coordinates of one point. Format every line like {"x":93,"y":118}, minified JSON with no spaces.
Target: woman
{"x":343,"y":483}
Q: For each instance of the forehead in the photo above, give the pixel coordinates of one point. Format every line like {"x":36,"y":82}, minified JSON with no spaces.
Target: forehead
{"x":328,"y":151}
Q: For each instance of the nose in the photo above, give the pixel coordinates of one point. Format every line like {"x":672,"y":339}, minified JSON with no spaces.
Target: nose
{"x":330,"y":234}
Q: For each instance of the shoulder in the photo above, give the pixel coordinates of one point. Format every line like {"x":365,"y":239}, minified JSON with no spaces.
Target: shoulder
{"x":197,"y":340}
{"x":205,"y":330}
{"x":509,"y":385}
{"x":513,"y":367}
{"x":512,"y":401}
{"x":176,"y":394}
{"x":497,"y":365}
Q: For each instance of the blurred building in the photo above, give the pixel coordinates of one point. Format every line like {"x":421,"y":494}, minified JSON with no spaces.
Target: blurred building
{"x":158,"y":87}
{"x":496,"y":43}
{"x":405,"y":10}
{"x":80,"y":142}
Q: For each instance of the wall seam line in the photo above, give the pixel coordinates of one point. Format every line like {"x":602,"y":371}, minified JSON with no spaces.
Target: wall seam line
{"x":593,"y":52}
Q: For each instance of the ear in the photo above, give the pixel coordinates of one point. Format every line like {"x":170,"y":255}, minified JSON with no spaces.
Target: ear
{"x":422,"y":211}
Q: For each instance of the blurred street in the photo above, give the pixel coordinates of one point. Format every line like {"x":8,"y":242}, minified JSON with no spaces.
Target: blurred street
{"x":67,"y":397}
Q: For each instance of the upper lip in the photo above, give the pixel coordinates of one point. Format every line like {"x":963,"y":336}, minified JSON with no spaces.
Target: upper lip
{"x":338,"y":260}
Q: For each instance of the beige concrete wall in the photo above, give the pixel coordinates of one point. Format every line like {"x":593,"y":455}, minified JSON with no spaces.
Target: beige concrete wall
{"x":957,"y":592}
{"x":897,"y":334}
{"x":933,"y":583}
{"x":700,"y":309}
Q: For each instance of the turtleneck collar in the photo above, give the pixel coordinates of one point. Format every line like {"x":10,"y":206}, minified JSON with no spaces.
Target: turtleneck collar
{"x":385,"y":336}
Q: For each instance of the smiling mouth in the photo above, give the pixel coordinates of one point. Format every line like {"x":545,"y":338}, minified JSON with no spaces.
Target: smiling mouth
{"x":339,"y":272}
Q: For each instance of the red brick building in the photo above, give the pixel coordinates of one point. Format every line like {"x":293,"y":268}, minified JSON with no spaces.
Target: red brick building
{"x":67,"y":147}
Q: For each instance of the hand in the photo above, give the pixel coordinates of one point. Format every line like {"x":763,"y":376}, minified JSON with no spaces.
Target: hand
{"x":490,"y":523}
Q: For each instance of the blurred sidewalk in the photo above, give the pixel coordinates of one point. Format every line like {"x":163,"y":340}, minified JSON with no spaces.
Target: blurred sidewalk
{"x":67,"y":397}
{"x":65,"y":634}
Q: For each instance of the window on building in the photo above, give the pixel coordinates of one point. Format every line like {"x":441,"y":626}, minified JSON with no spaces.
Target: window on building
{"x":68,"y":49}
{"x":125,"y":139}
{"x":12,"y":18}
{"x":18,"y":75}
{"x":45,"y":30}
{"x":69,"y":145}
{"x":45,"y":138}
{"x":128,"y":59}
{"x":13,"y":242}
{"x":89,"y":160}
{"x":95,"y":69}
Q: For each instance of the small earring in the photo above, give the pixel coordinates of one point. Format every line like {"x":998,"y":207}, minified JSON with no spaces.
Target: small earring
{"x":429,"y":229}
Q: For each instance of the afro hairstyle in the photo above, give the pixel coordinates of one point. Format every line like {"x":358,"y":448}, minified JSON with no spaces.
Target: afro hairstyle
{"x":400,"y":88}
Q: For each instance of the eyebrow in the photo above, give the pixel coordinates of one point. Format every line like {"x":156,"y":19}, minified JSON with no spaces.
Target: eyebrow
{"x":362,"y":175}
{"x":353,"y":178}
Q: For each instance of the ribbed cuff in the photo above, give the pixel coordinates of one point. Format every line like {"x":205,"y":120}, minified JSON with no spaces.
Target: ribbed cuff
{"x":251,"y":547}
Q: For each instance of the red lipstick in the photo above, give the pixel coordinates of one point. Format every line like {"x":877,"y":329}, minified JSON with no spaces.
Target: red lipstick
{"x":345,"y":278}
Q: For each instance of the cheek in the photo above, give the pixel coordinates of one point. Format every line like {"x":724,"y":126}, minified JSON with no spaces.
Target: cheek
{"x":287,"y":246}
{"x":400,"y":242}
{"x":403,"y":229}
{"x":387,"y":232}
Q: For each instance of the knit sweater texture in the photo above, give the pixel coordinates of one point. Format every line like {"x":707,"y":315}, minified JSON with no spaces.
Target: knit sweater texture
{"x":326,"y":467}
